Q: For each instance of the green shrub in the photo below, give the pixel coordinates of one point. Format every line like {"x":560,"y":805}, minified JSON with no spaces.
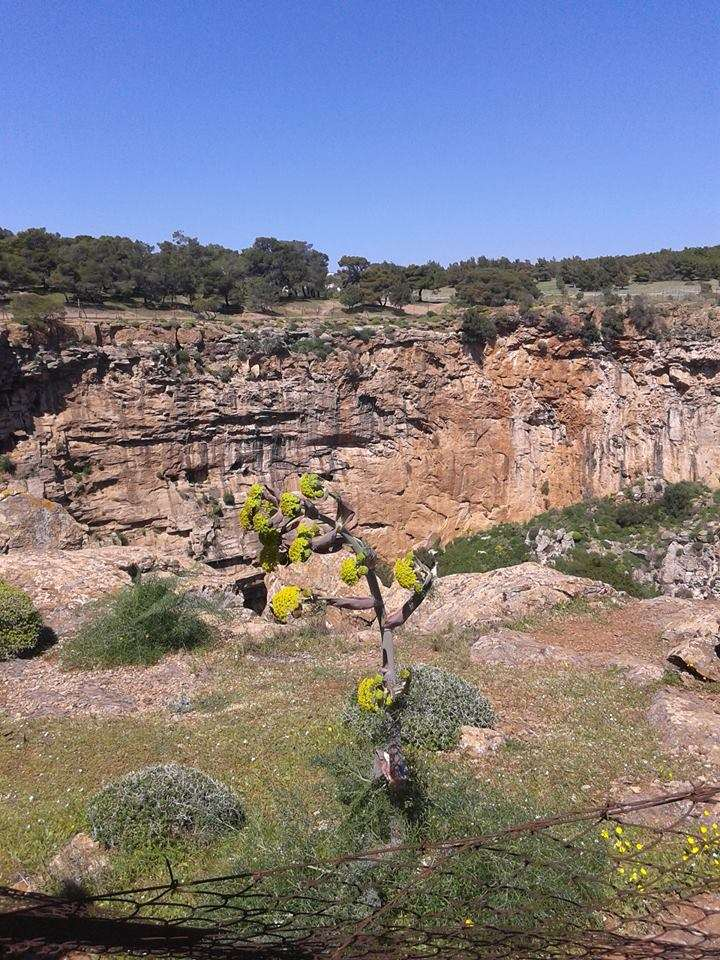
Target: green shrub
{"x":162,"y":803}
{"x":313,"y":345}
{"x":20,"y":623}
{"x":519,"y":877}
{"x":139,"y":624}
{"x":633,"y":514}
{"x":589,"y":332}
{"x":612,"y":327}
{"x":678,"y":497}
{"x":229,"y":498}
{"x":436,"y":705}
{"x":6,"y":464}
{"x":607,"y":568}
{"x":478,"y":328}
{"x":502,"y":546}
{"x":38,"y":311}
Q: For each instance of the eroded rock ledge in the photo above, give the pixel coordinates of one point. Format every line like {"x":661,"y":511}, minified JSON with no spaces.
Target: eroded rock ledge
{"x":425,"y":436}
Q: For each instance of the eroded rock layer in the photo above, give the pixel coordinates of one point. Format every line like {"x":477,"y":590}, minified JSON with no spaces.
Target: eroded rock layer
{"x":141,"y":433}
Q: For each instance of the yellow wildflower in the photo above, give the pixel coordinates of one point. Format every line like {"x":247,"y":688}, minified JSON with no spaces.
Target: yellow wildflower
{"x":405,"y":573}
{"x":311,"y":487}
{"x":285,"y":602}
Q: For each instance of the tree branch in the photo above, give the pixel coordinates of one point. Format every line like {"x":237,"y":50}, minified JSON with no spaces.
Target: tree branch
{"x":399,"y":617}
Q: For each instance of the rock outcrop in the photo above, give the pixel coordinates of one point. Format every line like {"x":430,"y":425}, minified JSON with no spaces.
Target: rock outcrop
{"x":425,"y":435}
{"x":64,"y":583}
{"x":694,"y":640}
{"x":468,"y":599}
{"x":27,"y":523}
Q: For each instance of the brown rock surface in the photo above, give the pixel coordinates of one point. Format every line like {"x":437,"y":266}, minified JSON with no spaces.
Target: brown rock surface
{"x":62,"y":583}
{"x":695,"y":638}
{"x":81,"y":862}
{"x":425,"y":436}
{"x":28,"y":523}
{"x":688,"y":723}
{"x":465,"y":600}
{"x":511,"y":648}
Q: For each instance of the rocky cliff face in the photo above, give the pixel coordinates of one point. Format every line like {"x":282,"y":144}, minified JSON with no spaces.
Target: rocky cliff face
{"x":139,"y":434}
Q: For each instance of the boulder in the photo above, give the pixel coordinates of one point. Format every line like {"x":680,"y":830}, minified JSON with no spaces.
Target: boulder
{"x":31,"y":523}
{"x":62,"y":583}
{"x":690,"y":569}
{"x":636,"y":671}
{"x":468,"y":599}
{"x":478,"y":742}
{"x":511,"y":648}
{"x":81,"y":863}
{"x":549,"y":545}
{"x":687,"y":723}
{"x":695,"y":639}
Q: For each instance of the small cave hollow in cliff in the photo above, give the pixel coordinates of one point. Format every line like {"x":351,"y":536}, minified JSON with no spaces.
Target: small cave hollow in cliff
{"x":255,"y":595}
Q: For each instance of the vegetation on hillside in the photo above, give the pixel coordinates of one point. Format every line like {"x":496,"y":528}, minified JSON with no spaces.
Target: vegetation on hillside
{"x":612,"y":538}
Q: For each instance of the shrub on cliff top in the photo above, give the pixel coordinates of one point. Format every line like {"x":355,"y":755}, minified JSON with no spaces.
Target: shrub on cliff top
{"x":162,"y":803}
{"x":478,"y":328}
{"x":607,"y":568}
{"x":139,"y":624}
{"x":37,"y":311}
{"x":20,"y":623}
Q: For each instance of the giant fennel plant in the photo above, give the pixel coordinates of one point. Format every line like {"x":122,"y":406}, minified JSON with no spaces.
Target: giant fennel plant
{"x":290,"y":527}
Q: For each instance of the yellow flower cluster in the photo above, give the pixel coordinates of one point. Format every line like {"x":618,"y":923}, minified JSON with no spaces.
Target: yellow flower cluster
{"x":629,"y":872}
{"x":290,"y":506}
{"x":351,"y":569}
{"x":371,"y":695}
{"x":251,"y":506}
{"x":300,"y":549}
{"x":405,"y":573}
{"x":256,"y":514}
{"x":285,"y":602}
{"x":311,"y":487}
{"x":705,"y":847}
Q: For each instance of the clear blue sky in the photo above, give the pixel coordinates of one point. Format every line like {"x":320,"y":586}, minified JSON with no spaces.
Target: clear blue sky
{"x":396,"y":129}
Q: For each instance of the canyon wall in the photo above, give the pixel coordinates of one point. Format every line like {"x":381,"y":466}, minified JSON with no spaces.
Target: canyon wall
{"x":426,"y":436}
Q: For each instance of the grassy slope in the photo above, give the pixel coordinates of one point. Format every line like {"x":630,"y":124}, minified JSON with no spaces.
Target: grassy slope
{"x":271,"y":713}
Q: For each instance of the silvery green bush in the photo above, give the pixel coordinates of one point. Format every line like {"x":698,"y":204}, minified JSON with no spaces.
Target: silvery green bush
{"x":161,"y":803}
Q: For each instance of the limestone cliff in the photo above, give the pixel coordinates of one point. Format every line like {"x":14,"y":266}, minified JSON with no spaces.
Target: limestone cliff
{"x":139,"y":433}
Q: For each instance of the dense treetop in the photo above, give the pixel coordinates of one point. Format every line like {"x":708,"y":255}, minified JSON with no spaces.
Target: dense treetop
{"x":95,"y":269}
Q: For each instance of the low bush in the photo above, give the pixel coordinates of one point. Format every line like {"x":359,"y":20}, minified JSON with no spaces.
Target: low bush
{"x":6,"y":464}
{"x":435,"y":706}
{"x":38,"y":311}
{"x":20,"y":623}
{"x":311,"y":345}
{"x":139,"y":624}
{"x":633,"y":514}
{"x":678,"y":497}
{"x":478,"y":328}
{"x":607,"y":568}
{"x":162,"y":803}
